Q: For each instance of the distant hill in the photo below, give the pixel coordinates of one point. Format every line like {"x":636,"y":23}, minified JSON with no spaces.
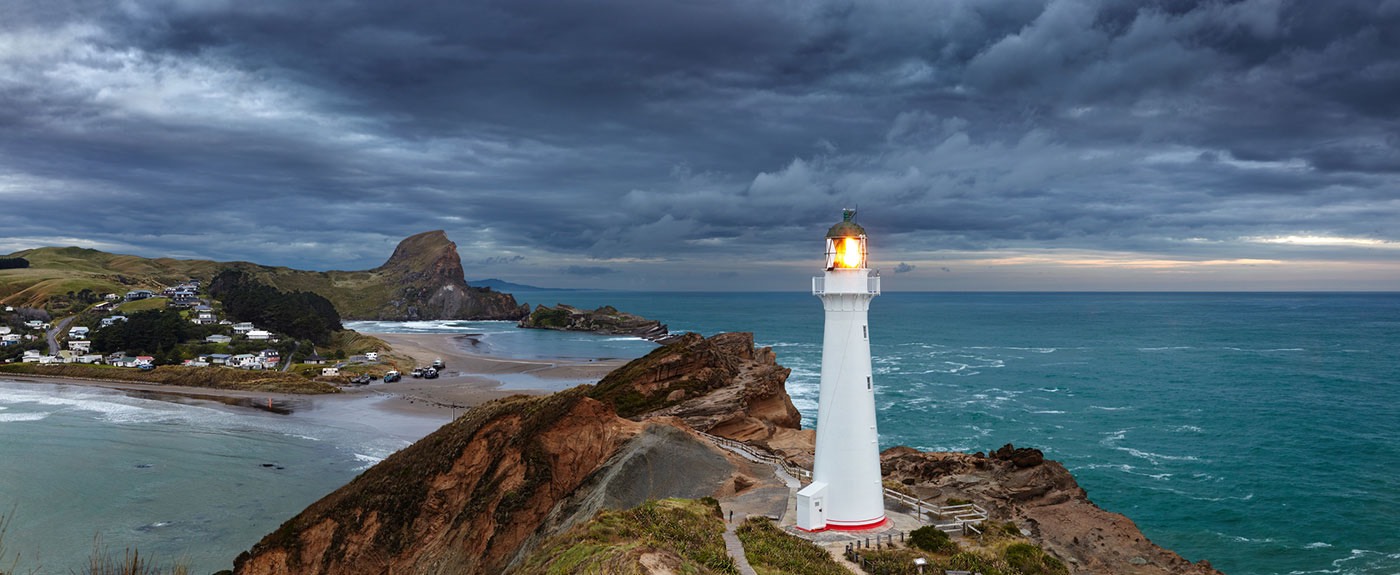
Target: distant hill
{"x":423,"y":279}
{"x":503,"y":285}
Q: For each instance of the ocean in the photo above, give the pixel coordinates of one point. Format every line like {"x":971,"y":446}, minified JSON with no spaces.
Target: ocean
{"x":1259,"y":431}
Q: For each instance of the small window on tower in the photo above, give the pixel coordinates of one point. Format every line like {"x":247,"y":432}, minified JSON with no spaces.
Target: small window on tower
{"x":867,"y":382}
{"x":865,"y":332}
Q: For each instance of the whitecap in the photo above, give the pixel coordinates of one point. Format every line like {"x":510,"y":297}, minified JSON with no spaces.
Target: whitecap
{"x":1049,"y":411}
{"x":1105,"y":408}
{"x":1317,"y":545}
{"x":14,"y":417}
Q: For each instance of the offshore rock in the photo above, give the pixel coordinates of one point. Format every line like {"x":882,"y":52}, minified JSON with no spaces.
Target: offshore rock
{"x":604,"y":320}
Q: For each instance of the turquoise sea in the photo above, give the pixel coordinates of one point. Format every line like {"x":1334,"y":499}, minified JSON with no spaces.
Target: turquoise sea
{"x":1259,"y":431}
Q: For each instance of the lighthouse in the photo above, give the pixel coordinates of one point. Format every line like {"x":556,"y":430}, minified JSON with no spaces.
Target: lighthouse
{"x":846,"y":491}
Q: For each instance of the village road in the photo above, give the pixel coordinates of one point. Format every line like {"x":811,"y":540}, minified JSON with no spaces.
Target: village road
{"x":57,"y":329}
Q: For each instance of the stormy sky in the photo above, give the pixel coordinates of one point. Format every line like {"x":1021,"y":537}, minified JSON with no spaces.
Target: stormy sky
{"x":988,"y":144}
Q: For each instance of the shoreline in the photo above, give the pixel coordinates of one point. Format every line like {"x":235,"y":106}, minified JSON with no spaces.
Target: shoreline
{"x":410,"y":408}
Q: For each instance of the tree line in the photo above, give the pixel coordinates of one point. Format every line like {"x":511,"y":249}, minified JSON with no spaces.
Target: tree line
{"x":301,"y":315}
{"x":13,"y":263}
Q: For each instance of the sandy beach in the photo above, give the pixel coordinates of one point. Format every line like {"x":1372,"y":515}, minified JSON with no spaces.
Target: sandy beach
{"x":409,"y":408}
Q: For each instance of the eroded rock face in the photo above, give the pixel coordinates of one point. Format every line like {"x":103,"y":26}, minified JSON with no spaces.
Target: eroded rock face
{"x":427,"y":282}
{"x":720,"y":385}
{"x":1040,"y":496}
{"x":462,"y":500}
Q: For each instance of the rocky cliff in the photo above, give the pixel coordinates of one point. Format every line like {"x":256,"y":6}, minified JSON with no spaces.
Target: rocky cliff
{"x":1043,"y":499}
{"x":427,"y":282}
{"x":485,"y":491}
{"x":604,"y":320}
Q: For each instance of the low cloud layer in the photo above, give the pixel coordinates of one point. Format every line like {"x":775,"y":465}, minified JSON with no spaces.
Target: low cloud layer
{"x":1076,"y":138}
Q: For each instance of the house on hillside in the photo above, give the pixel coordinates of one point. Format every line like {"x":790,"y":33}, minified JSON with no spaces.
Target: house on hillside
{"x":10,"y":339}
{"x":88,"y":358}
{"x":109,"y":320}
{"x":219,"y":358}
{"x":242,"y":328}
{"x":122,"y":361}
{"x":204,"y":318}
{"x":31,"y":356}
{"x":111,"y":297}
{"x":260,"y":335}
{"x":78,"y":332}
{"x":314,"y":358}
{"x":139,"y":294}
{"x":330,"y":371}
{"x":218,"y":338}
{"x":36,"y":324}
{"x":145,"y":360}
{"x":49,"y":359}
{"x":79,"y":346}
{"x":245,"y":361}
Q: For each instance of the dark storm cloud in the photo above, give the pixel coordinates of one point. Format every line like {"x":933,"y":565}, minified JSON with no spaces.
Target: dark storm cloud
{"x":904,"y":268}
{"x":589,"y":270}
{"x":317,"y":134}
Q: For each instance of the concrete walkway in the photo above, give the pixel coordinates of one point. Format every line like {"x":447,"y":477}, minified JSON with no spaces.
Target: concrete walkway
{"x":736,"y":547}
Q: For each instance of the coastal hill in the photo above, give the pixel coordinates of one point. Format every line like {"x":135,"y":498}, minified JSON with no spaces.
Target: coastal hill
{"x":521,"y":482}
{"x":423,"y":279}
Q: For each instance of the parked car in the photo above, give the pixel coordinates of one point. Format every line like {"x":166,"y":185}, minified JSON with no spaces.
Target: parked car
{"x":392,"y":377}
{"x":430,"y":373}
{"x":417,"y":372}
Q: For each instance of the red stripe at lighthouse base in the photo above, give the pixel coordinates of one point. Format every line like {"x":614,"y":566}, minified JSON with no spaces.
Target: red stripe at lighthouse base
{"x":877,"y":523}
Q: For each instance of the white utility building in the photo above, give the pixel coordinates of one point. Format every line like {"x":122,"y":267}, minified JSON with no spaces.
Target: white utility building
{"x":846,"y":491}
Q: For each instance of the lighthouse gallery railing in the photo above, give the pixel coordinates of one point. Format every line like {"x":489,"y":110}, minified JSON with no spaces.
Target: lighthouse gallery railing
{"x":872,"y":285}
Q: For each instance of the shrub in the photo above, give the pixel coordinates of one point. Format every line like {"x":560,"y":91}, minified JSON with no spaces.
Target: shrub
{"x":930,"y":539}
{"x":1032,"y":560}
{"x":772,"y":551}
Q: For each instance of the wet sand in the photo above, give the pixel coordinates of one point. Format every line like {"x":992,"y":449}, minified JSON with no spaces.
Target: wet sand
{"x":410,"y":408}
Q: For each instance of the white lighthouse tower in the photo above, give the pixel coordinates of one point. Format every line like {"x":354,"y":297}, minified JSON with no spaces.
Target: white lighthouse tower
{"x":846,"y":490}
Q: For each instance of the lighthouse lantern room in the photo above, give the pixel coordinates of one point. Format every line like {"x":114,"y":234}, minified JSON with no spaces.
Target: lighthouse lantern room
{"x":846,"y":490}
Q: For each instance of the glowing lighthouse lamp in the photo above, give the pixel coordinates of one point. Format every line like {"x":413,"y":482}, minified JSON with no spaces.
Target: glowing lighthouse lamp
{"x":846,"y":492}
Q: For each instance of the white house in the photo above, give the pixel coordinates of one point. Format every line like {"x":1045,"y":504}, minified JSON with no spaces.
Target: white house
{"x":78,"y":332}
{"x":4,"y":329}
{"x":219,"y":358}
{"x":242,"y":328}
{"x":134,"y":295}
{"x":79,"y":345}
{"x":88,"y":358}
{"x":330,"y":371}
{"x":36,"y":324}
{"x":31,"y":356}
{"x":111,"y":297}
{"x":109,"y":320}
{"x":204,"y":318}
{"x":218,"y":338}
{"x":10,"y":339}
{"x":245,"y":361}
{"x":145,"y":360}
{"x":260,"y":334}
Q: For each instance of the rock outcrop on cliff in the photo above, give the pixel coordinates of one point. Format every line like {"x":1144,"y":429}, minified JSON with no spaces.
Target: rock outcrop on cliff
{"x":605,"y":320}
{"x":1041,"y":497}
{"x":720,"y":385}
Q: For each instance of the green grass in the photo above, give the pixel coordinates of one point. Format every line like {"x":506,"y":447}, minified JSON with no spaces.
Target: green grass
{"x":771,"y":551}
{"x":206,"y":377}
{"x":689,"y":533}
{"x":150,"y":303}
